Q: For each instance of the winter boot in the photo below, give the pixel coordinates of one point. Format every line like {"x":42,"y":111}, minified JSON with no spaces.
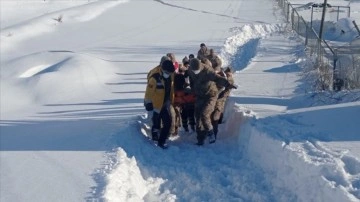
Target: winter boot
{"x":186,"y":129}
{"x":155,"y":136}
{"x":211,"y":137}
{"x":215,"y":132}
{"x":200,"y":138}
{"x":163,"y":146}
{"x":192,"y":127}
{"x":221,"y":119}
{"x":200,"y":142}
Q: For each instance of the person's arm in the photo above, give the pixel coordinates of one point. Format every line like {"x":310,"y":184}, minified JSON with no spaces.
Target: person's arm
{"x":226,"y":91}
{"x":221,"y":80}
{"x":149,"y":93}
{"x":219,"y":64}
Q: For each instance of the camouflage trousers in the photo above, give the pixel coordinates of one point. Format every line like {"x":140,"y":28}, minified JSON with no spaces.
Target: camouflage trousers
{"x":204,"y":108}
{"x":176,"y":120}
{"x":218,"y":113}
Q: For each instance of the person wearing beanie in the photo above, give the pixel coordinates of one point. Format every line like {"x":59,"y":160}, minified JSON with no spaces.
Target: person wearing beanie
{"x":203,"y":51}
{"x":157,"y":68}
{"x":224,"y":93}
{"x":159,"y":97}
{"x":185,"y":59}
{"x":191,"y":56}
{"x":150,"y":118}
{"x":204,"y":83}
{"x":215,"y":60}
{"x":173,"y":59}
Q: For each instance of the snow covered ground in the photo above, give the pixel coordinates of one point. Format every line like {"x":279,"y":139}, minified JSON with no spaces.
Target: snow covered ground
{"x":73,"y":75}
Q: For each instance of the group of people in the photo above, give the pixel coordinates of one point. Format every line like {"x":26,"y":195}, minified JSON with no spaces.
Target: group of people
{"x":192,"y":93}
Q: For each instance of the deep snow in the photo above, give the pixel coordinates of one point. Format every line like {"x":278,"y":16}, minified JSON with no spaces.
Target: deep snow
{"x":72,"y":94}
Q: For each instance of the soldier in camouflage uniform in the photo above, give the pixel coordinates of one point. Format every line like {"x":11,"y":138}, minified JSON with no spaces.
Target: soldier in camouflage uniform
{"x":215,"y":61}
{"x":220,"y":103}
{"x":203,"y":52}
{"x":204,"y":83}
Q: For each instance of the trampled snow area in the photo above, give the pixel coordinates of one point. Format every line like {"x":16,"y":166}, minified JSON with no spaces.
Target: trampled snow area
{"x":73,"y":76}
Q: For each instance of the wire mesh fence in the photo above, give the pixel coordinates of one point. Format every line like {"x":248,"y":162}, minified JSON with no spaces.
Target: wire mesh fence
{"x":337,"y":67}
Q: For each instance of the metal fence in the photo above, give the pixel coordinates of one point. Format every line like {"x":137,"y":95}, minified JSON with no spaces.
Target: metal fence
{"x":347,"y":63}
{"x":337,"y":67}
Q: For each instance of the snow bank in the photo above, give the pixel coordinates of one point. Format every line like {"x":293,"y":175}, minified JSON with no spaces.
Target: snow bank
{"x":53,"y":77}
{"x":244,"y":42}
{"x":342,"y":31}
{"x":126,"y":183}
{"x":303,"y":170}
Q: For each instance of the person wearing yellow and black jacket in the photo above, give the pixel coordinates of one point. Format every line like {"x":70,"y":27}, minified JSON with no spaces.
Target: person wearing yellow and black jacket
{"x":157,"y":68}
{"x":159,"y":96}
{"x":150,"y":113}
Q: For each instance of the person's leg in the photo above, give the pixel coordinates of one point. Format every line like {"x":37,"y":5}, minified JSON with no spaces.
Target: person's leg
{"x":191,"y":116}
{"x":206,"y":118}
{"x":216,"y":116}
{"x":173,"y":120}
{"x":201,"y":136}
{"x":199,"y":126}
{"x":215,"y":128}
{"x":155,"y":129}
{"x":184,"y":118}
{"x":177,"y":110}
{"x":165,"y":116}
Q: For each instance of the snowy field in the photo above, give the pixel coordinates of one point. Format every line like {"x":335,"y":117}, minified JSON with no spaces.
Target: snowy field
{"x":73,"y":76}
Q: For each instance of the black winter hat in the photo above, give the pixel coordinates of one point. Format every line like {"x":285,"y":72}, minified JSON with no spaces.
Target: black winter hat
{"x":168,"y":66}
{"x":194,"y":64}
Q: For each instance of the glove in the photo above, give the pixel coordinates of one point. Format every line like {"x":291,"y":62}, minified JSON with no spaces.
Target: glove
{"x":221,"y":95}
{"x":230,"y":86}
{"x":149,"y":106}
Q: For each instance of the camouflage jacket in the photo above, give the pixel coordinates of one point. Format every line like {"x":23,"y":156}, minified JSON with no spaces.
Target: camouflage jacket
{"x":215,"y":62}
{"x":225,"y":92}
{"x":204,"y":84}
{"x":203,"y":54}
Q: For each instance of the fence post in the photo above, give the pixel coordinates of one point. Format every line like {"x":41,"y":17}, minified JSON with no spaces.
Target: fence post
{"x":357,"y":28}
{"x":312,"y":13}
{"x":306,"y":35}
{"x":322,"y":20}
{"x":288,"y":11}
{"x":334,"y":69}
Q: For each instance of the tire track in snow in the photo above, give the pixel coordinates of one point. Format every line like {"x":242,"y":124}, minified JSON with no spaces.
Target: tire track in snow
{"x":208,"y":12}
